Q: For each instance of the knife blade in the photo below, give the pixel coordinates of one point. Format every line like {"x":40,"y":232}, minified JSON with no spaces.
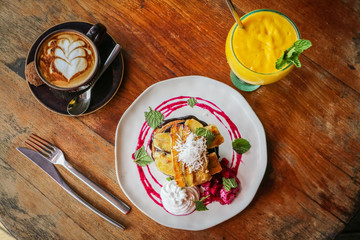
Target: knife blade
{"x":42,"y":162}
{"x":51,"y":171}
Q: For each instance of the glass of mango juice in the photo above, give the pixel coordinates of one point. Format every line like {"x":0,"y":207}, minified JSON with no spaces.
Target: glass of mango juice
{"x":253,"y":50}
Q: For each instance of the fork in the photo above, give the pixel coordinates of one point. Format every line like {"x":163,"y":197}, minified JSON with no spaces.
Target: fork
{"x":56,"y":156}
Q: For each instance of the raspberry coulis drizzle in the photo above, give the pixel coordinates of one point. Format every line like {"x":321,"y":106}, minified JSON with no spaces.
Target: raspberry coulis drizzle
{"x":166,"y":108}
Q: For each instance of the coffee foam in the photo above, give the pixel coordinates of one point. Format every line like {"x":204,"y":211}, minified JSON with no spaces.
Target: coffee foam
{"x":66,"y":59}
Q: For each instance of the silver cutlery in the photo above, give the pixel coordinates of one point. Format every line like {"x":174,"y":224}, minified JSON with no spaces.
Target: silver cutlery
{"x":79,"y":104}
{"x":46,"y":154}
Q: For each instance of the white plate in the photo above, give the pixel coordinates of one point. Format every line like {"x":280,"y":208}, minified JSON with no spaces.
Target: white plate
{"x":250,"y":171}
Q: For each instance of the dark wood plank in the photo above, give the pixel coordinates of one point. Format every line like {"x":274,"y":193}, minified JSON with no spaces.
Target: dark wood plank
{"x":352,"y":4}
{"x":311,"y":118}
{"x":26,"y":211}
{"x":183,"y":25}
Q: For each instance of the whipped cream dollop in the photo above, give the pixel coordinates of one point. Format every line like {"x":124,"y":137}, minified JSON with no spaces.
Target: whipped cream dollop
{"x":177,"y":200}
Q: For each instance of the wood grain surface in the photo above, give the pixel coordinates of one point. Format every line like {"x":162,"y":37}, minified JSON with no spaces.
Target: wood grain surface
{"x":311,"y":188}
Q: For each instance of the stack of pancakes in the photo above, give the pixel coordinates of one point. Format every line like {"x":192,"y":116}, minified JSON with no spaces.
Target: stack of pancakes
{"x":166,"y":157}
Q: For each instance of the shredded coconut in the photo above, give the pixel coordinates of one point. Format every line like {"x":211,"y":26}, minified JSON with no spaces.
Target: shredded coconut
{"x":193,"y":152}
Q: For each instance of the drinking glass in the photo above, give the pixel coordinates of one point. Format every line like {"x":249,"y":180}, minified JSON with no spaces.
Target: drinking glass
{"x":243,"y":77}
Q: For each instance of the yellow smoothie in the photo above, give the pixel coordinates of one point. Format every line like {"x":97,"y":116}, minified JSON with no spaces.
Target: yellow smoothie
{"x":252,"y":51}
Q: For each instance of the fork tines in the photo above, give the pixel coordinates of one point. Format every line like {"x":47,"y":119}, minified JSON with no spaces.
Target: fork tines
{"x":40,"y":145}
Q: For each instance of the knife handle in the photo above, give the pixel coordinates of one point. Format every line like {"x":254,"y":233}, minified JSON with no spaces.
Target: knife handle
{"x":86,"y":204}
{"x":121,"y":206}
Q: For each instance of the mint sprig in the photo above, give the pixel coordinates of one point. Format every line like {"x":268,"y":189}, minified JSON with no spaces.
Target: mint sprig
{"x":154,"y":118}
{"x":241,"y":145}
{"x":142,"y":158}
{"x":205,"y":133}
{"x":200,"y":205}
{"x":191,"y":102}
{"x":229,"y":183}
{"x":291,"y":55}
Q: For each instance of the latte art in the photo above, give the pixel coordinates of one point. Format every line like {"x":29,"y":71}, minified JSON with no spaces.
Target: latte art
{"x":70,"y":57}
{"x":67,"y":59}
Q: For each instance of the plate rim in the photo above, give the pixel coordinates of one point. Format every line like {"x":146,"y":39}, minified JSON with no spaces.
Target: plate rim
{"x":262,"y":139}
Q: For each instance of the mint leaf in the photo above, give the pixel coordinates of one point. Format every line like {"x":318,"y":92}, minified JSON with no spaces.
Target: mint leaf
{"x":302,"y":44}
{"x":200,"y":205}
{"x":229,"y":183}
{"x":192,"y":102}
{"x":281,"y":62}
{"x":154,"y":118}
{"x":142,"y":158}
{"x":241,"y":145}
{"x":290,"y":51}
{"x":291,"y":55}
{"x":169,"y":179}
{"x":205,"y":133}
{"x":297,"y":62}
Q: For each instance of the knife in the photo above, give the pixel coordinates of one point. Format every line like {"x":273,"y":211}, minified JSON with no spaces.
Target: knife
{"x":51,"y":171}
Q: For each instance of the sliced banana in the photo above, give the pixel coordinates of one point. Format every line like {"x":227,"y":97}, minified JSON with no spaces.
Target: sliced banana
{"x":162,"y":141}
{"x":165,"y":156}
{"x":164,"y":163}
{"x":193,"y":124}
{"x":219,"y":139}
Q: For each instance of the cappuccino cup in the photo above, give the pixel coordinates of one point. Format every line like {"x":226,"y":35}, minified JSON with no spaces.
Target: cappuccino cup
{"x":68,"y":60}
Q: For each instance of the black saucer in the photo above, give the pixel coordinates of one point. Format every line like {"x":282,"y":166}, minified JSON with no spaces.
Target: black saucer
{"x":103,"y":91}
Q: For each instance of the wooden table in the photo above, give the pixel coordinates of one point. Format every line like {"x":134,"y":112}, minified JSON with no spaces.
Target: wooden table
{"x":311,"y":118}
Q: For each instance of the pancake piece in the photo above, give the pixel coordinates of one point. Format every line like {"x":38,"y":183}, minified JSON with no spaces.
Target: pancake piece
{"x":180,"y":153}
